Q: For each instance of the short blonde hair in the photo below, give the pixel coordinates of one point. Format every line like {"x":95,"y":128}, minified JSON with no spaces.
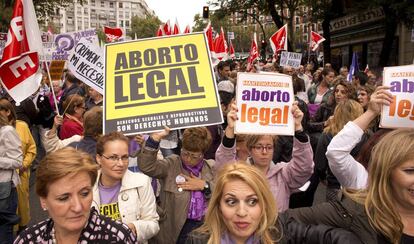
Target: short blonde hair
{"x":61,"y":163}
{"x":214,"y":224}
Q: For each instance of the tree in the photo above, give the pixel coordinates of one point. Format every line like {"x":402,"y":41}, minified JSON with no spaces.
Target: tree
{"x":144,"y":27}
{"x":43,"y":8}
{"x":396,"y":12}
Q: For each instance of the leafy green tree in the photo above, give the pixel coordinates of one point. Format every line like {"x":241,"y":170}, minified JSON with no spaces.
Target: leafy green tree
{"x":144,"y":27}
{"x":396,"y":12}
{"x":43,"y":8}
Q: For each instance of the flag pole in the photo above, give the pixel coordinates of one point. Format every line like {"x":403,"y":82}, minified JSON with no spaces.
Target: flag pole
{"x":309,"y":42}
{"x":53,"y":92}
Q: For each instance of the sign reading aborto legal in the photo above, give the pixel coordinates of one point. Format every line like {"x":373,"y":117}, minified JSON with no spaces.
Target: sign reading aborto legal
{"x":264,"y":102}
{"x":157,"y":82}
{"x":400,"y":113}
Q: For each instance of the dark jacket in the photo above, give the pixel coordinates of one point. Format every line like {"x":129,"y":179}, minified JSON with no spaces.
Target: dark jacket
{"x":342,"y":213}
{"x":87,"y":144}
{"x":294,"y":232}
{"x":317,"y":123}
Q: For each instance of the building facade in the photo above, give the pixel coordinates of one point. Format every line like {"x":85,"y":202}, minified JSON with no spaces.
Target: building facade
{"x":363,"y":33}
{"x":99,"y":13}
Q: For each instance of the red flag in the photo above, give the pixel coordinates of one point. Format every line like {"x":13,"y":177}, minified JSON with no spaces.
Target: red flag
{"x":220,"y":46}
{"x":253,"y":54}
{"x":167,"y":28}
{"x":209,"y":34}
{"x":176,"y":30}
{"x":19,"y":67}
{"x":113,"y":34}
{"x":231,"y":51}
{"x":159,"y":31}
{"x":278,"y":40}
{"x":316,"y":39}
{"x":366,"y":69}
{"x":187,"y":29}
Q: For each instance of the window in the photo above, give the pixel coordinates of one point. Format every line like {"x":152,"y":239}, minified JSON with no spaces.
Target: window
{"x":127,"y":23}
{"x":120,"y":5}
{"x":297,"y":28}
{"x":93,"y":2}
{"x":102,"y":4}
{"x":111,"y":4}
{"x":122,"y":23}
{"x":297,"y":20}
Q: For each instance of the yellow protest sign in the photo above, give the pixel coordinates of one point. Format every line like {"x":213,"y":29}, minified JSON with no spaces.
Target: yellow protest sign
{"x":56,"y":69}
{"x":157,"y":82}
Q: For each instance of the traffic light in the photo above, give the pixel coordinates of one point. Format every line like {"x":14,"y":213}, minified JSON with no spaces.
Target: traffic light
{"x":205,"y":12}
{"x":263,"y":49}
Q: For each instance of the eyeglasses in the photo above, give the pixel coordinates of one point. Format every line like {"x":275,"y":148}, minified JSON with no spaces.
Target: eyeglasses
{"x":116,"y":158}
{"x":261,"y":148}
{"x":193,"y":156}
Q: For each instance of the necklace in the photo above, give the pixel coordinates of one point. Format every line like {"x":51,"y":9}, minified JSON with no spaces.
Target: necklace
{"x":52,"y":234}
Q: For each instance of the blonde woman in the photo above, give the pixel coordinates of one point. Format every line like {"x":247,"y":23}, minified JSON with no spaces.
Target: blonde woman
{"x":345,"y":111}
{"x":384,"y":212}
{"x":241,"y":209}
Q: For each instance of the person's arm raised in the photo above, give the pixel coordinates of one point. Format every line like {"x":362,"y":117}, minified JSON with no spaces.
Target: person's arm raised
{"x":379,"y":98}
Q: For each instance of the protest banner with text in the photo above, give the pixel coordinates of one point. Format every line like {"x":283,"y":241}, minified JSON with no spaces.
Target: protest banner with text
{"x":400,"y":113}
{"x":264,"y":102}
{"x":290,"y":59}
{"x":157,"y":82}
{"x":65,"y":42}
{"x":86,"y":63}
{"x":56,"y":69}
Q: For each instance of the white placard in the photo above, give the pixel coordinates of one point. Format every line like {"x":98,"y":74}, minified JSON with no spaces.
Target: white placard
{"x":264,"y":102}
{"x":400,"y":113}
{"x":86,"y":63}
{"x":65,"y":42}
{"x":230,"y":35}
{"x":290,"y":59}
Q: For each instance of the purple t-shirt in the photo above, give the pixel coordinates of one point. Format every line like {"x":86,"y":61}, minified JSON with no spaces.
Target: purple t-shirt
{"x":109,"y":201}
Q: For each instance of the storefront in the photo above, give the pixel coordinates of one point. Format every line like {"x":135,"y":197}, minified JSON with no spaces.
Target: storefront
{"x":363,"y":33}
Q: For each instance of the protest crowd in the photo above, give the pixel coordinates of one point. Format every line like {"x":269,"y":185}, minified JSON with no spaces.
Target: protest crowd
{"x":246,"y":174}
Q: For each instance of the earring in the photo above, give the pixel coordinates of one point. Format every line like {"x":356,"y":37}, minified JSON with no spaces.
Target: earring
{"x":44,"y":209}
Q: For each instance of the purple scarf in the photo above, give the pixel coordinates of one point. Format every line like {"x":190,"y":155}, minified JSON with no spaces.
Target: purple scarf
{"x":197,"y":202}
{"x":226,"y":239}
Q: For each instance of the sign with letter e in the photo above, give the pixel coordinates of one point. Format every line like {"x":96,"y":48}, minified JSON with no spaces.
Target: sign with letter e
{"x":264,"y":102}
{"x":157,"y":82}
{"x":400,"y":113}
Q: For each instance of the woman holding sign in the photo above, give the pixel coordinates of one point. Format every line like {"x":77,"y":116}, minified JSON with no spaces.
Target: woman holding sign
{"x":284,"y":178}
{"x":349,"y":172}
{"x":186,"y":182}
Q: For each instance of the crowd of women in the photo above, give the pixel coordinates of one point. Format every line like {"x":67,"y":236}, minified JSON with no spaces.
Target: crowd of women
{"x":208,"y":184}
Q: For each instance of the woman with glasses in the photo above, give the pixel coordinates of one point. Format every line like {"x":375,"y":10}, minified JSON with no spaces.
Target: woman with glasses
{"x":74,"y":108}
{"x":121,"y":194}
{"x":284,"y":178}
{"x":64,"y":181}
{"x":186,"y":182}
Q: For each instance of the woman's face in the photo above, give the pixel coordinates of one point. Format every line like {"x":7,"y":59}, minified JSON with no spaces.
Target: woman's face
{"x":191,"y":157}
{"x":341,"y":93}
{"x":329,"y":78}
{"x":262,"y":151}
{"x":79,"y":111}
{"x":402,"y":183}
{"x":68,"y":202}
{"x":239,"y":206}
{"x":114,"y":160}
{"x":363,"y":98}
